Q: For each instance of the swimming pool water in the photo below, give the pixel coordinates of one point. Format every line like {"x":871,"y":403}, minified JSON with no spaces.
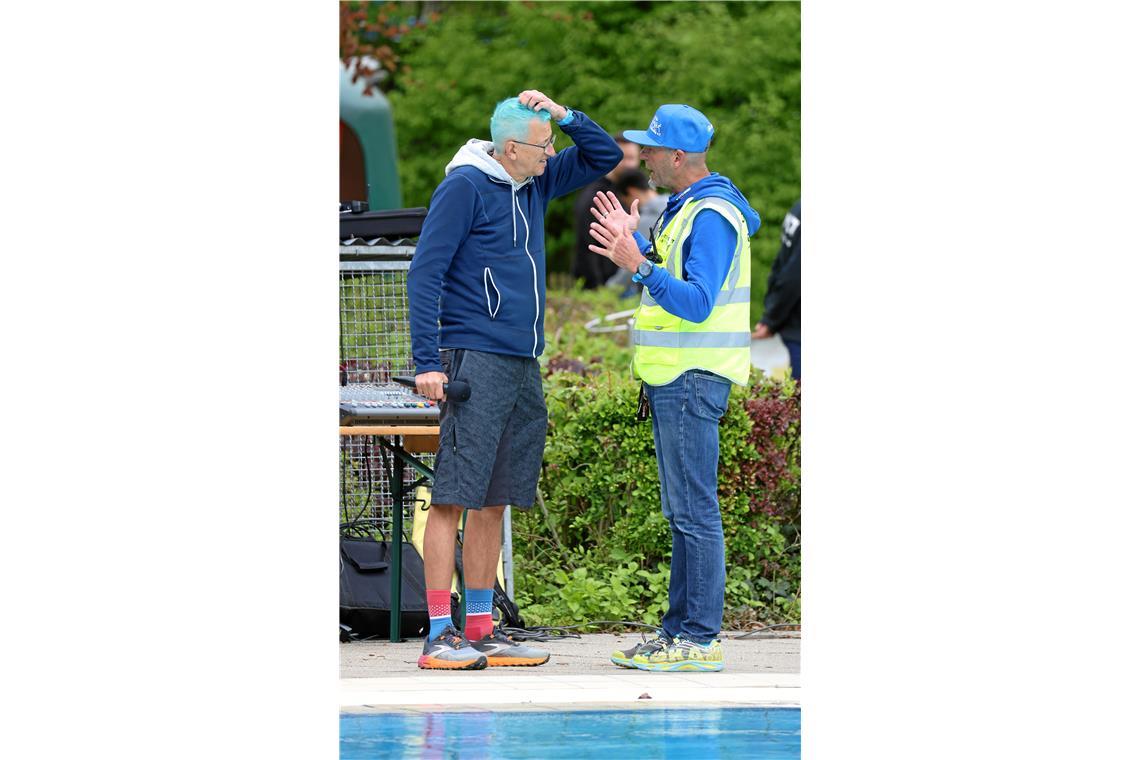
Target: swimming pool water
{"x":675,"y":734}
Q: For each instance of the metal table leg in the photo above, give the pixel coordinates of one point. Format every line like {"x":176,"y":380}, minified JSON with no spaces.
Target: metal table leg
{"x":400,"y":460}
{"x":397,"y":546}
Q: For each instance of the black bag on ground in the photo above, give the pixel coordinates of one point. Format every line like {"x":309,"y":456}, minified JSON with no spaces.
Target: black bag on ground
{"x":365,"y":589}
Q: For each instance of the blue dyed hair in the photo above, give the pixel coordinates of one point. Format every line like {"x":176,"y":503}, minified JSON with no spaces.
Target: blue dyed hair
{"x":511,"y":121}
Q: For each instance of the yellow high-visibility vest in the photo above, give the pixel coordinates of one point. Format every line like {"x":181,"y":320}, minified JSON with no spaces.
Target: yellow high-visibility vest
{"x":666,"y":345}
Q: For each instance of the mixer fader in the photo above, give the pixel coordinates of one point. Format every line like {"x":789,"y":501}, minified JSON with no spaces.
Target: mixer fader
{"x":362,"y":404}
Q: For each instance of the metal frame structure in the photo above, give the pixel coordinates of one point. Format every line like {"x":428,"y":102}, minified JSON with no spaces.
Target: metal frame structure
{"x":375,"y":345}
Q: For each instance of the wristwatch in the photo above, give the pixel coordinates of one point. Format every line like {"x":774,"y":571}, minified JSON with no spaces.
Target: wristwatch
{"x":644,"y":269}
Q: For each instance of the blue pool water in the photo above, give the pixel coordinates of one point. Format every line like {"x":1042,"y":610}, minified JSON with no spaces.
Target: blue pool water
{"x":675,"y":734}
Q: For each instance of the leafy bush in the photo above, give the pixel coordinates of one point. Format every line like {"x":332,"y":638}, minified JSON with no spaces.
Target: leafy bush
{"x":596,"y":546}
{"x":570,"y":346}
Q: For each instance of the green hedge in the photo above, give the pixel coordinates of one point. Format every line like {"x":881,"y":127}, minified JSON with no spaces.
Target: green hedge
{"x":739,"y":63}
{"x":596,"y":546}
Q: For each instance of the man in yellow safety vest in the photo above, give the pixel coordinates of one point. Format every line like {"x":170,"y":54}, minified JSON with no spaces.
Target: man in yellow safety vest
{"x":691,"y":340}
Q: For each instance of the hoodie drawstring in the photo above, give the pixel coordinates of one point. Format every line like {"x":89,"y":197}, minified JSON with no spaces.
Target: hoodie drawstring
{"x":514,"y":224}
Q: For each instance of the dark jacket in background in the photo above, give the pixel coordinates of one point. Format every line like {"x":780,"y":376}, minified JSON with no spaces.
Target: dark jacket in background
{"x":591,"y":267}
{"x":782,"y":301}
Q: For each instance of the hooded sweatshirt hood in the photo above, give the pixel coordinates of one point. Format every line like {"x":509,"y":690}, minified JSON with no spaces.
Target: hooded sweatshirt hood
{"x":480,"y":154}
{"x":716,"y":186}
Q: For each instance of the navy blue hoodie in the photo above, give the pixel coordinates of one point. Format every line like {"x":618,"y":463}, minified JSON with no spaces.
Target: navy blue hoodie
{"x":480,"y":263}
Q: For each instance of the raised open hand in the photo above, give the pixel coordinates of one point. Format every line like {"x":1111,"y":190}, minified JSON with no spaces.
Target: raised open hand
{"x":606,"y":241}
{"x":616,"y":243}
{"x":607,"y":209}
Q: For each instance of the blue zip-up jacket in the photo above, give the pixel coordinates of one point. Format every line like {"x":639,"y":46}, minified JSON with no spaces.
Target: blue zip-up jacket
{"x":480,"y":263}
{"x":706,"y":255}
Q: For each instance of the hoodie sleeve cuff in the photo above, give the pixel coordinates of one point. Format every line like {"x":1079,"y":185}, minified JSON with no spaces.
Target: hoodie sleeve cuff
{"x":654,"y":278}
{"x":569,"y":117}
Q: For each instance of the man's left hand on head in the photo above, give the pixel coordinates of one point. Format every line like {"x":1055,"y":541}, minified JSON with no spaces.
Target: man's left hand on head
{"x":537,"y":101}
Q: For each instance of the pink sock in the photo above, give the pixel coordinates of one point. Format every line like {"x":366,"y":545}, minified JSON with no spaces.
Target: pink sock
{"x":439,"y":610}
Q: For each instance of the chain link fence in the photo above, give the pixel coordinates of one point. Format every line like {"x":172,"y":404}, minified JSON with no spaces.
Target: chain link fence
{"x":375,"y":344}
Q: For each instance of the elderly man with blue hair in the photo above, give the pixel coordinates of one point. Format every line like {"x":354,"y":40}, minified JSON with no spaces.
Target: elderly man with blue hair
{"x":477,"y":298}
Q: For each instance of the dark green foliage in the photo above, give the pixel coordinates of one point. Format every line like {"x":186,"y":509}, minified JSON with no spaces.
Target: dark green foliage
{"x":597,"y":546}
{"x":569,"y":343}
{"x":739,"y":63}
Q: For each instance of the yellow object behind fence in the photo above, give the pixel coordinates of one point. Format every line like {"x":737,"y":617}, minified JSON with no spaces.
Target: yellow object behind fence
{"x":419,"y":524}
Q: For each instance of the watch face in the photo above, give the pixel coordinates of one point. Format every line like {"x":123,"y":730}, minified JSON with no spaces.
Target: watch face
{"x":645,"y":268}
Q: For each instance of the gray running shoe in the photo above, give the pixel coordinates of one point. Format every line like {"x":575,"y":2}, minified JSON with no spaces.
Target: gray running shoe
{"x":450,"y":651}
{"x":624,"y":657}
{"x":502,"y":651}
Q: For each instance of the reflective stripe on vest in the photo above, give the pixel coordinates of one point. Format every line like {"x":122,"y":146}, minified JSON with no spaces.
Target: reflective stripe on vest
{"x":739,"y":295}
{"x":691,"y":339}
{"x":666,"y":345}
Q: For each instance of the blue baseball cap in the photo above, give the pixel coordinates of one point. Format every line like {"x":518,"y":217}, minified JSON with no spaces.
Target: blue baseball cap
{"x":675,"y":126}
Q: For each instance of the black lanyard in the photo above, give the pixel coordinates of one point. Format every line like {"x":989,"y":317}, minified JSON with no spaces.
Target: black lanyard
{"x":653,"y":255}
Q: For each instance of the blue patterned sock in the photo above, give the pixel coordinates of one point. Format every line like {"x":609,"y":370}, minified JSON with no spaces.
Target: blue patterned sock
{"x":478,"y":625}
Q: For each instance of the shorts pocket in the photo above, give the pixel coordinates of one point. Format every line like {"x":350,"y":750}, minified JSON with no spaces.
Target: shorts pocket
{"x":451,"y":359}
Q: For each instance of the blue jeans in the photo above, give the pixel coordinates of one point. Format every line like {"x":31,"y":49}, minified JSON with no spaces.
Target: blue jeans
{"x":793,"y":347}
{"x":686,"y":415}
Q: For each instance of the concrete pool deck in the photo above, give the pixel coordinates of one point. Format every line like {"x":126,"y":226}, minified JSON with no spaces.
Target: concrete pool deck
{"x":380,"y":676}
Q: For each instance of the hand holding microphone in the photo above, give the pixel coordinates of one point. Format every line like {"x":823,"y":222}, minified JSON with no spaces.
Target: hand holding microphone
{"x":434,"y":385}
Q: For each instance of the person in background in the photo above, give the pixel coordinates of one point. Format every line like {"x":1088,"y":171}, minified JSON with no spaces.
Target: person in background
{"x":691,"y":343}
{"x":782,"y":301}
{"x":476,"y":303}
{"x":595,"y":270}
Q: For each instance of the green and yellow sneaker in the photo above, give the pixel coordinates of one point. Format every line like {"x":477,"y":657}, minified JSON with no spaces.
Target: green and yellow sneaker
{"x":682,"y":655}
{"x":624,"y":657}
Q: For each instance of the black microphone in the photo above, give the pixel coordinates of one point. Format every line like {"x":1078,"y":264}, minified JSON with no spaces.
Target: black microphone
{"x":456,"y":390}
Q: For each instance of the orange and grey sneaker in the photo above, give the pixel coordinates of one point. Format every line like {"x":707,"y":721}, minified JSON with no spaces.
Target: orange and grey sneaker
{"x":450,"y":651}
{"x":502,"y":651}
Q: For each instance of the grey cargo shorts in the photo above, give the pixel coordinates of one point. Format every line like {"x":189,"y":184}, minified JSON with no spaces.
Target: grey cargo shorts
{"x":490,"y":446}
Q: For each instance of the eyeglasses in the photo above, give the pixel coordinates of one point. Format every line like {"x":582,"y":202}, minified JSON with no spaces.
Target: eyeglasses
{"x":548,"y":144}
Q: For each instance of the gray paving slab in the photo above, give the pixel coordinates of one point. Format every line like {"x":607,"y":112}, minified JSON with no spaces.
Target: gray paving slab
{"x":588,"y":655}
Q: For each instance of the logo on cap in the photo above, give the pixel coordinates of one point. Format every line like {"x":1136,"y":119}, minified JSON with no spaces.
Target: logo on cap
{"x":655,"y":126}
